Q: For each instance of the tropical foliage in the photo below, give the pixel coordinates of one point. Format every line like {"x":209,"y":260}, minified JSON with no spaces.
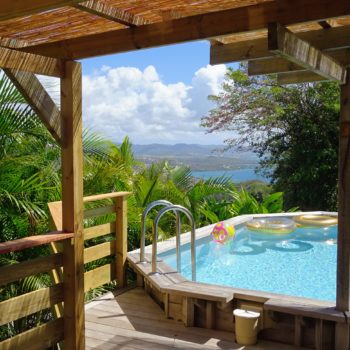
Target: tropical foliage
{"x":30,"y":178}
{"x":294,"y":131}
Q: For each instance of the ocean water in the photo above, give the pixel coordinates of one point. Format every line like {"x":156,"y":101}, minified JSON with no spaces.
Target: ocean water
{"x":238,"y":175}
{"x":302,"y":263}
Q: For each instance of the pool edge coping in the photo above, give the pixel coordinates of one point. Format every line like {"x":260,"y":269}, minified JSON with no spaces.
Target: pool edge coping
{"x":169,"y":280}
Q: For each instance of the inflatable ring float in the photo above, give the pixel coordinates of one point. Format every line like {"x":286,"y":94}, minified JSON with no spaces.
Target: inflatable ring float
{"x":310,"y":220}
{"x":278,"y":226}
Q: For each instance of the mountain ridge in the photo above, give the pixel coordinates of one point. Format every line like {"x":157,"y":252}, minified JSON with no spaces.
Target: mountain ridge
{"x":197,"y":157}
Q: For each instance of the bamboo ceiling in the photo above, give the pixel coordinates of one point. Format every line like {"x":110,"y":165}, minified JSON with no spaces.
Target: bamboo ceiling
{"x":75,"y":21}
{"x":237,"y":30}
{"x":69,"y":22}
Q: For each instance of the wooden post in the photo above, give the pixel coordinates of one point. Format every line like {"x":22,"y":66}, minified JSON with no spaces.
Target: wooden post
{"x":210,"y":315}
{"x":188,"y":312}
{"x":342,"y":339}
{"x":72,"y":206}
{"x":121,"y":240}
{"x":298,"y":330}
{"x":343,"y":259}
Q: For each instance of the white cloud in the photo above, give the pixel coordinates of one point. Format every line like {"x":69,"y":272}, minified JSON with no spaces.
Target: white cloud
{"x":127,"y":101}
{"x":206,"y":81}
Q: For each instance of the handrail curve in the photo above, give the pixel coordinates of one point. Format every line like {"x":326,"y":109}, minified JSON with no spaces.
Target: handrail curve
{"x":176,"y":209}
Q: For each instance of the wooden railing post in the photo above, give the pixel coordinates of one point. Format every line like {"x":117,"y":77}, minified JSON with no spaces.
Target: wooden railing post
{"x":72,"y":206}
{"x":121,"y":239}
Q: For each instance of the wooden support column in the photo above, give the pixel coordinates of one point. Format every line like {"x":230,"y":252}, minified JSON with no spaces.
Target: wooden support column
{"x":72,"y":206}
{"x":343,"y":259}
{"x":121,"y":240}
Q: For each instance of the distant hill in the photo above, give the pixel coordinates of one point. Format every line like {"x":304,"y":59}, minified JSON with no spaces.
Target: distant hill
{"x":198,"y":157}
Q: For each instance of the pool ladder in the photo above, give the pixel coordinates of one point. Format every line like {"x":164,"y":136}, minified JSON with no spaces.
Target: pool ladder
{"x":177,"y":209}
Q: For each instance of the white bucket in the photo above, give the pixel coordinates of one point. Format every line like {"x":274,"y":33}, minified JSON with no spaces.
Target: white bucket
{"x":246,"y":323}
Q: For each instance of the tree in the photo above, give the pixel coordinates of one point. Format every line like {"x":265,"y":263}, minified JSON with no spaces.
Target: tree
{"x":294,"y":131}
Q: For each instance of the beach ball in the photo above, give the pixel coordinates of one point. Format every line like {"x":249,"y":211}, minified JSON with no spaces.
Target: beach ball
{"x":223,"y":232}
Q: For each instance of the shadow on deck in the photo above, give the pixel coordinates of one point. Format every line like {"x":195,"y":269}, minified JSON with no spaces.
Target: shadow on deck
{"x":132,"y":320}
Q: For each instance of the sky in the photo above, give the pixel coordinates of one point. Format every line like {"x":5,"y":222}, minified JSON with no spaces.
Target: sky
{"x":153,"y":96}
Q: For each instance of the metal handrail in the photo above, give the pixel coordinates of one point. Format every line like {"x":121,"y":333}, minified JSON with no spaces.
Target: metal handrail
{"x":175,"y":208}
{"x":143,"y":224}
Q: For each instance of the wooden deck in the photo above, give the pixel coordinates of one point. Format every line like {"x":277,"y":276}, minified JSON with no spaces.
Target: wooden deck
{"x":133,"y":321}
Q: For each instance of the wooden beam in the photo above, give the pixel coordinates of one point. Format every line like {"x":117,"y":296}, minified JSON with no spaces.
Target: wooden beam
{"x":29,"y":62}
{"x":343,"y":251}
{"x":342,"y":56}
{"x":111,"y":13}
{"x":280,"y":65}
{"x":272,"y":66}
{"x":204,"y":26}
{"x":32,"y":241}
{"x":298,"y":77}
{"x":239,"y":51}
{"x":286,"y":44}
{"x":327,"y":40}
{"x":40,"y":101}
{"x":19,"y":8}
{"x":72,"y":206}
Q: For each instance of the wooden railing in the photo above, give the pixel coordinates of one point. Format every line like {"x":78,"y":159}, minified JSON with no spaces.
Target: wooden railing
{"x":13,"y":309}
{"x":114,"y":207}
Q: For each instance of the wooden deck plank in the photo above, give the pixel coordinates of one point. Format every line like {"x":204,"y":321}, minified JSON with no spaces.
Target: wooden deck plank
{"x":183,"y":340}
{"x":159,"y":327}
{"x":133,"y":321}
{"x":154,"y":327}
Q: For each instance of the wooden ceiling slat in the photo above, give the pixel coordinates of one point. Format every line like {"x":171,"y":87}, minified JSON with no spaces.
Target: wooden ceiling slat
{"x":111,"y":13}
{"x":204,"y":26}
{"x":18,"y":8}
{"x":68,"y":22}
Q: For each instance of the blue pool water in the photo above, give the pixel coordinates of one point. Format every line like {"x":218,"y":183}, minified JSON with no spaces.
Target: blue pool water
{"x":302,"y":263}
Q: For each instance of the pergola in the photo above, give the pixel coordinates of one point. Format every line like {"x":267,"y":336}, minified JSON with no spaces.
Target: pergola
{"x":299,"y":40}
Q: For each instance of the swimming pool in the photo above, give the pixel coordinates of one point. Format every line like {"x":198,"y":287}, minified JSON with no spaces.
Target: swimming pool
{"x":302,"y":263}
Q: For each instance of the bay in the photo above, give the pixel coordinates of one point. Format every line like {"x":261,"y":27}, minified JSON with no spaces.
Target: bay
{"x":237,"y":175}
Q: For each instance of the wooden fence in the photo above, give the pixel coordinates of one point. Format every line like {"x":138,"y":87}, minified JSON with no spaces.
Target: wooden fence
{"x":114,"y":207}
